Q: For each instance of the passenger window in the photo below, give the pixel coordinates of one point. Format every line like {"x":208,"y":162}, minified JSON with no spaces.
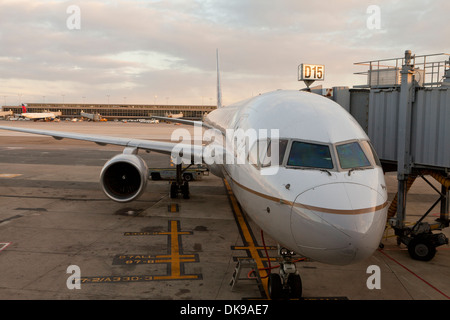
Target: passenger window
{"x":310,"y":155}
{"x":351,"y":155}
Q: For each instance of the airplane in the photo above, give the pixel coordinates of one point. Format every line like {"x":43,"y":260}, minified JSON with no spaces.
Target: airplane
{"x":174,"y":115}
{"x":37,"y":115}
{"x":324,"y":198}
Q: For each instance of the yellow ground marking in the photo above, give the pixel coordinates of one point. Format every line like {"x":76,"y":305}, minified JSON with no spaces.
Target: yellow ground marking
{"x":176,"y":258}
{"x":9,"y":175}
{"x":248,"y":239}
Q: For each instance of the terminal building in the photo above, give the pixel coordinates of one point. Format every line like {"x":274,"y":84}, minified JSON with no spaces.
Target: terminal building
{"x":116,"y":111}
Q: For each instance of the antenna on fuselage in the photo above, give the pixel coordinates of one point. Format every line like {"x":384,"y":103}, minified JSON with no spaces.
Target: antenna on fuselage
{"x":219,"y":89}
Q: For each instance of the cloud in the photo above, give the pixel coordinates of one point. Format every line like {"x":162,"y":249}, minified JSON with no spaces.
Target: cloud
{"x":141,"y":49}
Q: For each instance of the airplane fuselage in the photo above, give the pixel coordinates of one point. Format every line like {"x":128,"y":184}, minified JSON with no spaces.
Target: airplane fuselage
{"x":38,"y":116}
{"x":325,"y":197}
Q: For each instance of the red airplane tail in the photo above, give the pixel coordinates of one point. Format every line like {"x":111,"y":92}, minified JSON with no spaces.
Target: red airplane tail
{"x":24,"y":109}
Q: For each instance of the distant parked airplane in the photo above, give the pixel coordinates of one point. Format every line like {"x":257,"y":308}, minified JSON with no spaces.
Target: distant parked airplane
{"x":37,"y":115}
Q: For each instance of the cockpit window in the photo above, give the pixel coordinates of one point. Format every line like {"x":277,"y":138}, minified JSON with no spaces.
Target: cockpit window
{"x":370,"y":151}
{"x":260,"y":154}
{"x":351,"y":155}
{"x":310,"y":155}
{"x":282,"y":145}
{"x":268,"y":160}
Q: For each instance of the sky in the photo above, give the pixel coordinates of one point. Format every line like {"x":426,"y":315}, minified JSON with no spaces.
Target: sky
{"x":164,"y":51}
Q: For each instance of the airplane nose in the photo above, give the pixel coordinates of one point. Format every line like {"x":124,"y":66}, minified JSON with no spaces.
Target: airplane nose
{"x":338,"y":223}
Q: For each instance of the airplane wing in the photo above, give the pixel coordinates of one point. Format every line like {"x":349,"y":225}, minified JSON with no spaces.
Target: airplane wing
{"x":178,"y":120}
{"x":184,"y":121}
{"x":186,"y":151}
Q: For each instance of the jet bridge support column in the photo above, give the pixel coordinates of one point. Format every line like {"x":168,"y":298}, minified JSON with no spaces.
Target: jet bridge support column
{"x":404,"y":136}
{"x":420,"y":240}
{"x":444,"y":216}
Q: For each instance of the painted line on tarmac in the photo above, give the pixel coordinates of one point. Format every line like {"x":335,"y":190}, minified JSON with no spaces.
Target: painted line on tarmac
{"x":174,"y":259}
{"x":9,"y":175}
{"x":3,"y":245}
{"x":413,"y":273}
{"x":248,"y":238}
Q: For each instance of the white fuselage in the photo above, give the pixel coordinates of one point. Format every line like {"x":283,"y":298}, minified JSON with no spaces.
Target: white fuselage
{"x":175,"y":116}
{"x":334,"y":213}
{"x":37,"y":116}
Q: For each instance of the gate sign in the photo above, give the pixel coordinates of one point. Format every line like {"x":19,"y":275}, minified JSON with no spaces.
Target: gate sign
{"x":311,"y":72}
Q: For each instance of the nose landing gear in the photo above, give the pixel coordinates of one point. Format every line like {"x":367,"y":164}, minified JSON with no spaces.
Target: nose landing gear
{"x":287,"y":284}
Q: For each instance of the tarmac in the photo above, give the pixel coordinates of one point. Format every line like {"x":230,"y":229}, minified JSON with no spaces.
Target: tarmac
{"x":56,"y":223}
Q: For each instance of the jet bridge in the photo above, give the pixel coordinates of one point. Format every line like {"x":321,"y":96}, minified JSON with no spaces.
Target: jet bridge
{"x":408,"y":122}
{"x":6,"y":114}
{"x":91,"y":116}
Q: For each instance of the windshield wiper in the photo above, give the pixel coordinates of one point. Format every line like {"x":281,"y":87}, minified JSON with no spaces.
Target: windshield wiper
{"x":325,"y":170}
{"x":311,"y":168}
{"x":354,"y":169}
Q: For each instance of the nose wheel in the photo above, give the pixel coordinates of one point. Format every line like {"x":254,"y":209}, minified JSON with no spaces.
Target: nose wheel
{"x":288,"y":283}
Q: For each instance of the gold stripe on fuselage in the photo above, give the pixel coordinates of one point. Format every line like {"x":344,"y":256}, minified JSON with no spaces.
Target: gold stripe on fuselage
{"x":312,"y":208}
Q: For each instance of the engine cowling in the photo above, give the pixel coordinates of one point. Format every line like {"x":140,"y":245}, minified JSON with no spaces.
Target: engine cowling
{"x":124,"y":177}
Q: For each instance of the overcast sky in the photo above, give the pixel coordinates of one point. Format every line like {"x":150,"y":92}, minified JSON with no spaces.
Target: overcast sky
{"x":164,"y":51}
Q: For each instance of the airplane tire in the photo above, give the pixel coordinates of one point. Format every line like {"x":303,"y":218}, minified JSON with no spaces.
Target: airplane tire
{"x":156,"y":176}
{"x":295,"y":285}
{"x":185,"y":190}
{"x":421,"y":248}
{"x":173,"y":190}
{"x":275,"y":287}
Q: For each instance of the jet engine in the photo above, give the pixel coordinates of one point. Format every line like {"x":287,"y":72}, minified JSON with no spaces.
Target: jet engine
{"x":124,"y":177}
